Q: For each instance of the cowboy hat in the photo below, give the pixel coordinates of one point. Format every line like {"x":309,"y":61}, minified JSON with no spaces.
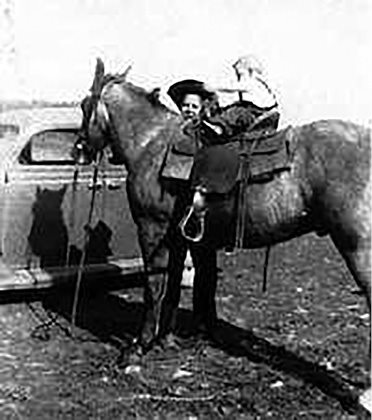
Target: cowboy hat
{"x":178,"y":90}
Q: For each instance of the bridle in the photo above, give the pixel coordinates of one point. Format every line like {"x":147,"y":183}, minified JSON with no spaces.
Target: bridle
{"x":95,"y":111}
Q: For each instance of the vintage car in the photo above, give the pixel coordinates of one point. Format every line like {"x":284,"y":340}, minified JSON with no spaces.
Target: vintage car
{"x":45,"y":199}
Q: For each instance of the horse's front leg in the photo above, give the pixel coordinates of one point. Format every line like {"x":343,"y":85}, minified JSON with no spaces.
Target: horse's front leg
{"x":153,"y":291}
{"x":156,"y":279}
{"x":162,"y":286}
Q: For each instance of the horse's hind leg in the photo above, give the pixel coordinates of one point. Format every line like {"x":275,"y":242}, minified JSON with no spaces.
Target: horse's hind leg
{"x":358,"y":261}
{"x":350,"y":229}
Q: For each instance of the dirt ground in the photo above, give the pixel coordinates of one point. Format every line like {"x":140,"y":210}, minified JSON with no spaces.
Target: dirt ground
{"x":298,"y":351}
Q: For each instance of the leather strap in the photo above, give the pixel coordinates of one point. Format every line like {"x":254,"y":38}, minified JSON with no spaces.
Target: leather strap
{"x":242,"y":194}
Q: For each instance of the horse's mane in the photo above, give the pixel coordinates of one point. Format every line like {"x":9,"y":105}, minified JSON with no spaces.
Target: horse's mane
{"x":152,"y":97}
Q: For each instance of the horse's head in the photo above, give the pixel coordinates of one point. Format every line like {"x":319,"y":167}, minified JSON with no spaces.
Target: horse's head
{"x":95,"y":132}
{"x":115,"y":113}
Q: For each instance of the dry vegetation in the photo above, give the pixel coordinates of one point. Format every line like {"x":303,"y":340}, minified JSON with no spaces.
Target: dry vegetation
{"x":297,"y":352}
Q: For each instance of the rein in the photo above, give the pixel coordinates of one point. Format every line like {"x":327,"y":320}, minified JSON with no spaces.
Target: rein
{"x":86,"y":242}
{"x":72,"y":212}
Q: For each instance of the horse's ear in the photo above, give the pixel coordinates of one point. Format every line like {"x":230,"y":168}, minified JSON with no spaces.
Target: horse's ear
{"x":98,"y":77}
{"x":126,"y":71}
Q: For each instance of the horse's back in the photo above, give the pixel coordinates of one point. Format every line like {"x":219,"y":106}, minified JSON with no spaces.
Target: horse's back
{"x":337,"y":149}
{"x":340,"y":131}
{"x":338,"y":170}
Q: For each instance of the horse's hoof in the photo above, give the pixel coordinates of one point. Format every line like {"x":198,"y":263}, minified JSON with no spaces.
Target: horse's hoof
{"x":131,"y":355}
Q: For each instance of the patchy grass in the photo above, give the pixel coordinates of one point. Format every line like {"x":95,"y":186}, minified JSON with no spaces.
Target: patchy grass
{"x":299,"y":351}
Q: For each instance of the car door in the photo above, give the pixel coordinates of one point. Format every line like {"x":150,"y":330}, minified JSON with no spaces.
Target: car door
{"x":114,"y":211}
{"x":46,"y":203}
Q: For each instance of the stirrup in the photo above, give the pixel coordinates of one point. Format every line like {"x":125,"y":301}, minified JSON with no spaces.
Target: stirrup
{"x":200,"y":219}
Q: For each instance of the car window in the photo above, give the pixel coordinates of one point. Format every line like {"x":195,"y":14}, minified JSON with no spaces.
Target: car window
{"x":49,"y":147}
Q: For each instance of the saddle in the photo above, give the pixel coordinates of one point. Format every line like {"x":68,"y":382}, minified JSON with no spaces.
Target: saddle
{"x":179,"y":158}
{"x":253,"y":156}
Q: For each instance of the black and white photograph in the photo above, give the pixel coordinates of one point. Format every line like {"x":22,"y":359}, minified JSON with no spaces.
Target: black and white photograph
{"x":185,"y":209}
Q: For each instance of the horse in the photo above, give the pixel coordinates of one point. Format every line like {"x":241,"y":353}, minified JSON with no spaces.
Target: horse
{"x":327,"y":189}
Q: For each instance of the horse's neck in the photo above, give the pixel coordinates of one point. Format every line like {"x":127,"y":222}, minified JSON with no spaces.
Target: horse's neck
{"x":152,"y":146}
{"x":141,"y":137}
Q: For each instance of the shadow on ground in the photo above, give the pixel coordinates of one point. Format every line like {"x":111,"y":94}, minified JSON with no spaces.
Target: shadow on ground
{"x":117,"y":321}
